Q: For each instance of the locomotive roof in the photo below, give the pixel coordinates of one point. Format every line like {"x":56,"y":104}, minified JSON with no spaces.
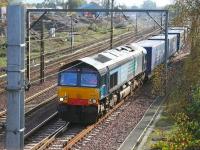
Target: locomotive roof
{"x":112,"y":58}
{"x":150,"y":43}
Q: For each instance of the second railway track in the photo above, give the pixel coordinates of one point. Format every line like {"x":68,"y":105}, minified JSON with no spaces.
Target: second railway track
{"x":56,"y":134}
{"x":34,"y":102}
{"x":89,"y":49}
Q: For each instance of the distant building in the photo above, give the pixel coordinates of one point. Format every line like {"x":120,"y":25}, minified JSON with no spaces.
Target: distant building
{"x":90,"y":6}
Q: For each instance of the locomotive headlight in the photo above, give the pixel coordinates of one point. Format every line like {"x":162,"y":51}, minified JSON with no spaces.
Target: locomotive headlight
{"x":92,"y":101}
{"x":61,"y":99}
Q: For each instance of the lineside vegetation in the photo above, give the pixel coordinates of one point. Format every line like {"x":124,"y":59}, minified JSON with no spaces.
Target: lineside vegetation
{"x":184,"y":102}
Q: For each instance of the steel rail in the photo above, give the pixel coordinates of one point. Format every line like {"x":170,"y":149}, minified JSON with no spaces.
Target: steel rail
{"x":40,"y":125}
{"x":59,"y":126}
{"x":83,"y":133}
{"x":32,"y":107}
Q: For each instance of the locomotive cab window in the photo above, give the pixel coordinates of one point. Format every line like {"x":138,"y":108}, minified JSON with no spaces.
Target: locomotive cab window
{"x":88,"y":78}
{"x":68,"y":78}
{"x":113,"y":80}
{"x":80,"y":77}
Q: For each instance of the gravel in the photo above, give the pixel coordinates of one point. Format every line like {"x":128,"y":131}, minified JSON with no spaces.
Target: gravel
{"x":111,"y":135}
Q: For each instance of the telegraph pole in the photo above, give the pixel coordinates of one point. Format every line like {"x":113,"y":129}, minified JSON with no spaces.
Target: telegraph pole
{"x":166,"y":49}
{"x":28,"y":47}
{"x":42,"y":63}
{"x":71,"y":33}
{"x":15,"y":76}
{"x":161,"y":19}
{"x":111,"y":32}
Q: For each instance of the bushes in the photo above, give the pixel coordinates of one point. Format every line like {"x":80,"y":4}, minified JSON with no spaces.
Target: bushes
{"x":158,"y":81}
{"x":186,"y":132}
{"x":182,"y":136}
{"x":184,"y":108}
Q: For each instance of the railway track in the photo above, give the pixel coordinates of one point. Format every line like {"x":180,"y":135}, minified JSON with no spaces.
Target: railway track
{"x":32,"y":118}
{"x":85,"y":51}
{"x":49,"y":128}
{"x":51,"y":134}
{"x":50,"y":56}
{"x":107,"y":118}
{"x":93,"y":49}
{"x":33,"y":103}
{"x":56,"y":134}
{"x":68,"y":136}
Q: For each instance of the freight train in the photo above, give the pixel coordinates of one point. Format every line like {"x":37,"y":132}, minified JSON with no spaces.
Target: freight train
{"x":88,"y":87}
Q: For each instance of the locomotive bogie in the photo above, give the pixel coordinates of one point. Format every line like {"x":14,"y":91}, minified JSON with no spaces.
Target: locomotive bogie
{"x":78,"y":114}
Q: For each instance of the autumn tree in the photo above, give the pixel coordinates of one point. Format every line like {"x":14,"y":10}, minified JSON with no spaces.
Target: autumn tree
{"x":188,"y":14}
{"x":184,"y":101}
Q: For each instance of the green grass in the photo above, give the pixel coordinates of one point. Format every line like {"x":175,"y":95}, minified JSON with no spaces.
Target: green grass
{"x":162,"y":127}
{"x":56,"y":44}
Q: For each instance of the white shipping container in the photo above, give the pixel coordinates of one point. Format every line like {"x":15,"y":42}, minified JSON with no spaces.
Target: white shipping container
{"x":155,"y":53}
{"x":172,"y":41}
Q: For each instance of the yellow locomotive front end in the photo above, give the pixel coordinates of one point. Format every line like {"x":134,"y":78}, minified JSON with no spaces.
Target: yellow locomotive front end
{"x":78,"y":94}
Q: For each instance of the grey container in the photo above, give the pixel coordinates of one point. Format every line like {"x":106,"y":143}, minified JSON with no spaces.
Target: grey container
{"x":180,"y":37}
{"x":172,"y":41}
{"x":155,"y":53}
{"x":181,"y":28}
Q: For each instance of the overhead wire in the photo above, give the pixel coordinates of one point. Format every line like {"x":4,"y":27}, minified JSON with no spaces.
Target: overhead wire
{"x":85,"y":33}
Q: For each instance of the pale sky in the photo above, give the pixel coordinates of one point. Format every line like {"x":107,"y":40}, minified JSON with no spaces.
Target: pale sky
{"x":140,"y":2}
{"x":159,"y":3}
